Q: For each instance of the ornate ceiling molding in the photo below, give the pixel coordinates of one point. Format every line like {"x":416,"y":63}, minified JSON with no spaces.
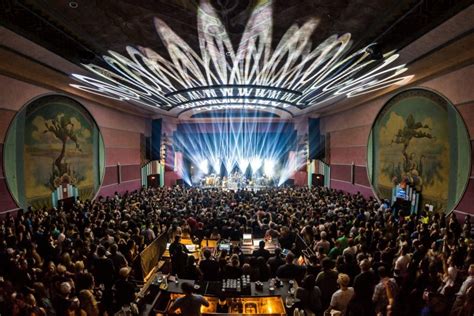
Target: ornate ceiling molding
{"x":291,"y":76}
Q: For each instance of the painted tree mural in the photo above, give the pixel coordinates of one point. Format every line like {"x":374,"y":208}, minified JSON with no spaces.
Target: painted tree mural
{"x":64,"y":130}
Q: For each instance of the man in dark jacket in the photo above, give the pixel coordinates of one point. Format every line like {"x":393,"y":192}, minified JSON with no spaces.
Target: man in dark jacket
{"x":209,"y":267}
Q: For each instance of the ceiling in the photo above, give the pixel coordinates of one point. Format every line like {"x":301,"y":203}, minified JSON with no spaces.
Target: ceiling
{"x":83,"y":31}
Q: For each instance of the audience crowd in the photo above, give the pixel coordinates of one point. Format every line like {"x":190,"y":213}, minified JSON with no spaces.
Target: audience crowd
{"x":347,"y":253}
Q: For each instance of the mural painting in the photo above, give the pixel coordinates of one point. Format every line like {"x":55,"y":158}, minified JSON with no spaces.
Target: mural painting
{"x":62,"y":151}
{"x":419,"y":138}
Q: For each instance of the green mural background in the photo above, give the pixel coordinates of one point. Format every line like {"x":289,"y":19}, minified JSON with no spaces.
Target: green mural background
{"x":53,"y":141}
{"x":420,"y":136}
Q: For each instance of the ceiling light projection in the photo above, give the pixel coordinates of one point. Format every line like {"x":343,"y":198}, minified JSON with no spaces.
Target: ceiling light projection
{"x":252,"y":76}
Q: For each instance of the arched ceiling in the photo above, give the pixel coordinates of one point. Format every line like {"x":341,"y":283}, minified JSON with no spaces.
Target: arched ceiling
{"x":84,"y":31}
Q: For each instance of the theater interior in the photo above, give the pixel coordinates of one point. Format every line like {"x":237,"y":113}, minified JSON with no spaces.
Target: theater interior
{"x":236,"y":157}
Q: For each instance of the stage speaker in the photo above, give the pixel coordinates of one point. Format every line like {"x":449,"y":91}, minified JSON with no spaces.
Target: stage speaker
{"x":156,"y":139}
{"x":148,"y":148}
{"x":289,"y":183}
{"x":316,"y":141}
{"x":317,"y":180}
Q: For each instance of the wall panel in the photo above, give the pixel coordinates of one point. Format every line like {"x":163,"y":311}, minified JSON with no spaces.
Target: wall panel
{"x":6,"y":116}
{"x":123,"y":156}
{"x":356,"y":136}
{"x":6,"y":200}
{"x":341,"y":172}
{"x":130,"y":172}
{"x":360,"y":176}
{"x":349,"y":155}
{"x":116,"y":138}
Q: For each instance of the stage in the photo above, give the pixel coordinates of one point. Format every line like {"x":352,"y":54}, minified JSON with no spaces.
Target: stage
{"x":234,"y":182}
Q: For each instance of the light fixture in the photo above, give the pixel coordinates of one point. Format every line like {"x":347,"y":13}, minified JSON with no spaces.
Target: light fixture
{"x":204,"y":166}
{"x":269,"y":167}
{"x":291,"y":75}
{"x":73,"y":4}
{"x":255,"y":164}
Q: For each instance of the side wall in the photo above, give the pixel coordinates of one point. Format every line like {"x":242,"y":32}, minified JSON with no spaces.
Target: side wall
{"x":121,"y":133}
{"x":349,"y":131}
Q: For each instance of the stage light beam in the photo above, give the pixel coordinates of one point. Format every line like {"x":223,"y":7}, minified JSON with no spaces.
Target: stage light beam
{"x":269,"y":167}
{"x":204,"y":166}
{"x":255,"y":164}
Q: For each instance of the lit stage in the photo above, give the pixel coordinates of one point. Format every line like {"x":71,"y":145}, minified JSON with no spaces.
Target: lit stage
{"x":234,"y":182}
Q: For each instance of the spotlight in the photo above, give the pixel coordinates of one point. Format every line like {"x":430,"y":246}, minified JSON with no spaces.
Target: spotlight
{"x":374,"y":52}
{"x":204,"y":166}
{"x":216,"y":165}
{"x":269,"y":167}
{"x":255,"y":163}
{"x":243,"y":164}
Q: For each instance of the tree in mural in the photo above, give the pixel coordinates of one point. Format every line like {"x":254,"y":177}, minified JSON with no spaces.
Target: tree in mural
{"x":412,"y":167}
{"x":63,"y":129}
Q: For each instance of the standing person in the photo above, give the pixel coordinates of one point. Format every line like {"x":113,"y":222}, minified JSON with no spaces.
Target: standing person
{"x":125,"y":289}
{"x":310,"y":295}
{"x":190,"y":304}
{"x":179,"y":259}
{"x":341,"y":298}
{"x":327,"y":281}
{"x":209,"y":267}
{"x":385,"y":292}
{"x":364,"y":284}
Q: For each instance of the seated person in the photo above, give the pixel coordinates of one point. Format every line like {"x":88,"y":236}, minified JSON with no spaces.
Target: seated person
{"x":290,"y":270}
{"x":190,"y":304}
{"x":261,"y":251}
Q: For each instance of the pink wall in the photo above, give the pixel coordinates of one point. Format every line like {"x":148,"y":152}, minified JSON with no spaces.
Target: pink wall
{"x":349,"y":132}
{"x":121,"y":132}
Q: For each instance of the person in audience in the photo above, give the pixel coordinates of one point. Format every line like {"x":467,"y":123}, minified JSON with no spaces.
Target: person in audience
{"x":125,"y":289}
{"x":327,"y":282}
{"x":364,"y":284}
{"x":276,"y":261}
{"x":290,"y":270}
{"x":341,"y":298}
{"x":191,"y":271}
{"x":70,"y":260}
{"x":261,"y":251}
{"x":190,"y":304}
{"x":385,"y":293}
{"x":209,"y":267}
{"x":309,"y":295}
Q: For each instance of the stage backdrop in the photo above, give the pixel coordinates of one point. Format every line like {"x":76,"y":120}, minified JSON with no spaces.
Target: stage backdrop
{"x":53,"y":145}
{"x":419,"y":136}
